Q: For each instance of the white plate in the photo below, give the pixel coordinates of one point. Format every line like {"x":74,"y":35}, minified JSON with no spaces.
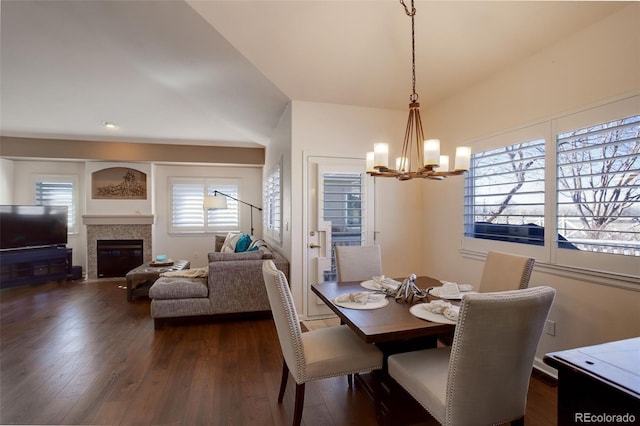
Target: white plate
{"x":435,"y":291}
{"x":368,"y":305}
{"x":371,"y":285}
{"x":420,"y":312}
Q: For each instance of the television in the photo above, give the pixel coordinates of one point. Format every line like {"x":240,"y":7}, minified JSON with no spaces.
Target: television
{"x":32,"y":226}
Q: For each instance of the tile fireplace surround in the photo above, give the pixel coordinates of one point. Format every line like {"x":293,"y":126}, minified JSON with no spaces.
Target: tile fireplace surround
{"x":136,"y":227}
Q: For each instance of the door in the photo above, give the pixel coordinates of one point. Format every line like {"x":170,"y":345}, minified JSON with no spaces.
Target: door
{"x":339,"y":212}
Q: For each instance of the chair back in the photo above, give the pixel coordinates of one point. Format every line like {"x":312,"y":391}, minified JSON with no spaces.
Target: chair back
{"x":492,"y":354}
{"x":286,"y":319}
{"x":358,"y":263}
{"x":504,"y":271}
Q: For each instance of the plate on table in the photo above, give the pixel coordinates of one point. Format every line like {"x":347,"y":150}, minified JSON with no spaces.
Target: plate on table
{"x":369,"y":305}
{"x":370,"y":285}
{"x":422,"y":313}
{"x":435,"y":291}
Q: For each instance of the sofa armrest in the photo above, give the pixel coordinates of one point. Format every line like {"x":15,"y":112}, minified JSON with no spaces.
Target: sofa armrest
{"x":227,"y":256}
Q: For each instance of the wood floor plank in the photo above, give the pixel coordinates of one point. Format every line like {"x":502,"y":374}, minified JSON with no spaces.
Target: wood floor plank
{"x":79,"y":353}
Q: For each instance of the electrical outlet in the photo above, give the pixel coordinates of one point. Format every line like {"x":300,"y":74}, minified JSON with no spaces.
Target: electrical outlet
{"x":550,"y":328}
{"x":195,"y":255}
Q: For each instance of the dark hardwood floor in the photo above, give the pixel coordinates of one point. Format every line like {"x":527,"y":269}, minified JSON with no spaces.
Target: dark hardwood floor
{"x":78,"y":353}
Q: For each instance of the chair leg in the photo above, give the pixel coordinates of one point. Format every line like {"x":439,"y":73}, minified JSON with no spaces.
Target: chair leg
{"x":297,"y":412}
{"x":283,"y":381}
{"x":350,"y":380}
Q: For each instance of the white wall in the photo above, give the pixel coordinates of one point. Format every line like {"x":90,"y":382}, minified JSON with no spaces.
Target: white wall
{"x":599,"y":63}
{"x":6,"y":181}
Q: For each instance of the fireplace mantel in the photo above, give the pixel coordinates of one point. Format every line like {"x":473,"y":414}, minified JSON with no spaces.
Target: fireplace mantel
{"x":135,"y":219}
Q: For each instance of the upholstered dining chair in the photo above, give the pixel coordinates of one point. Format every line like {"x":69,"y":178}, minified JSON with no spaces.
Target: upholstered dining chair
{"x":315,"y":354}
{"x":505,"y":271}
{"x":483,"y":378}
{"x":358,"y":263}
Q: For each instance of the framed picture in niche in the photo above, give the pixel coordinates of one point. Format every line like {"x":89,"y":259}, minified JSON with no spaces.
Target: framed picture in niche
{"x":119,"y":183}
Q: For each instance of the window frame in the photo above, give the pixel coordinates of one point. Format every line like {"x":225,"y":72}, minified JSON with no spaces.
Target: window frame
{"x":73,"y":222}
{"x":208,"y":185}
{"x":272,"y":205}
{"x":599,"y":267}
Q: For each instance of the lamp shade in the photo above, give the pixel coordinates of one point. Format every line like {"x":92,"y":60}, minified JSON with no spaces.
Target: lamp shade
{"x":215,"y":202}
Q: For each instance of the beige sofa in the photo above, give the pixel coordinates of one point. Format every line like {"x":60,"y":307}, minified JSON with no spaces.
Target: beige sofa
{"x":234,"y":288}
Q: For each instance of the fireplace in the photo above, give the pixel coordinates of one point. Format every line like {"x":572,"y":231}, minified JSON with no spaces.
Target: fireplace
{"x":117,"y":257}
{"x":122,"y":227}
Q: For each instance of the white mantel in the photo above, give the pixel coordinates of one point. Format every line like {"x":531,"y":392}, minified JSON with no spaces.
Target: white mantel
{"x":137,"y":219}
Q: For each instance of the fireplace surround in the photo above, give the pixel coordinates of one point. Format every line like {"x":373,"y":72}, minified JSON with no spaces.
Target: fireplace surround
{"x":116,"y":228}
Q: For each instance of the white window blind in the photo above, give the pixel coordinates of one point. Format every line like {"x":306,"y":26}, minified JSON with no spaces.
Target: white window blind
{"x":187,"y":206}
{"x":504,"y":193}
{"x":272,"y":204}
{"x":57,"y":191}
{"x":343,"y":207}
{"x":598,"y":187}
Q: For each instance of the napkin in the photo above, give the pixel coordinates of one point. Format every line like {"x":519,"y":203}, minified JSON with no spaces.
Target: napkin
{"x":362,"y":297}
{"x":386,"y":283}
{"x":443,"y":308}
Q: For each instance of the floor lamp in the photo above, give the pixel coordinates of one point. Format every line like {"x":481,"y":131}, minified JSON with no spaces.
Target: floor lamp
{"x":219,"y":201}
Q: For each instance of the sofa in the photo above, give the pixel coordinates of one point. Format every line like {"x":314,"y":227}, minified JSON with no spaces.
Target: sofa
{"x":231,"y":286}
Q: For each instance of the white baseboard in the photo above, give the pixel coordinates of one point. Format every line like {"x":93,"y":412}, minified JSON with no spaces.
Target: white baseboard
{"x":538,"y":364}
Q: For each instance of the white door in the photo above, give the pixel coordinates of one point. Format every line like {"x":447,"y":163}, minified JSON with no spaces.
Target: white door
{"x":339,"y":212}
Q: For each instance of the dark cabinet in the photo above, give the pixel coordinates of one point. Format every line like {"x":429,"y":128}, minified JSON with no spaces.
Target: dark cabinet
{"x":32,"y":266}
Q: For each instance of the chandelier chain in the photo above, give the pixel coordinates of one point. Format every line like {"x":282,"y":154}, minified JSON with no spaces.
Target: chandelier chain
{"x":412,"y":14}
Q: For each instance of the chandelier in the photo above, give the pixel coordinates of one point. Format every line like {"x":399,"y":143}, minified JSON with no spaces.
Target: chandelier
{"x":427,"y":163}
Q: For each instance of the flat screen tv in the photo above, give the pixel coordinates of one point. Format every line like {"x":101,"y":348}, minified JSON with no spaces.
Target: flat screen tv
{"x":32,"y":226}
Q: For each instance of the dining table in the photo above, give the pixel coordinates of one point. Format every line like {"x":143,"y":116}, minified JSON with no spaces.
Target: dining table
{"x":393,"y":329}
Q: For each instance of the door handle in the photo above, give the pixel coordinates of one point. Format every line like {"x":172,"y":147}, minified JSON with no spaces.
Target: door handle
{"x":312,"y":245}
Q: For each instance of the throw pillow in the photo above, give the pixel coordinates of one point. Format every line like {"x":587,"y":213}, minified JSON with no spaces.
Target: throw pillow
{"x":243,"y":243}
{"x":229,"y":245}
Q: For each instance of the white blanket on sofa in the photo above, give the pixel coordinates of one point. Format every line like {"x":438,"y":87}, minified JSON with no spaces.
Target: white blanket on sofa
{"x":187,"y":273}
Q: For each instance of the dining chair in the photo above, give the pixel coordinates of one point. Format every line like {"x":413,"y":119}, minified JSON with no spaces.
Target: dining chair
{"x":505,"y":271}
{"x":315,"y":354}
{"x":483,"y":378}
{"x":358,"y":263}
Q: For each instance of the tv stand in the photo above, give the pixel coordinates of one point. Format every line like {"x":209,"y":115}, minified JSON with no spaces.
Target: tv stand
{"x":33,"y":265}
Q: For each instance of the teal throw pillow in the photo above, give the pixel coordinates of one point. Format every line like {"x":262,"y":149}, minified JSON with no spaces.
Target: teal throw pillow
{"x":243,"y":243}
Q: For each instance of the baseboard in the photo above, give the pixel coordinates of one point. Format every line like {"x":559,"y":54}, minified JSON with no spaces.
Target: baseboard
{"x":543,"y":368}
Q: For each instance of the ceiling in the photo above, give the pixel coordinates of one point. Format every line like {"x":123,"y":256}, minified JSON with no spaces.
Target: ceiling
{"x":221,"y":72}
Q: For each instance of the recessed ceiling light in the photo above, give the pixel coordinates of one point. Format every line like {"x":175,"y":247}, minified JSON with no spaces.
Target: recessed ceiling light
{"x":109,"y":125}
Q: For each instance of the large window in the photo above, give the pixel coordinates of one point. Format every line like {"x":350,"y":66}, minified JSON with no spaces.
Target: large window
{"x":598,"y":185}
{"x":570,"y":186}
{"x":272,"y":208}
{"x":187,"y":206}
{"x":505,"y":194}
{"x":58,"y":191}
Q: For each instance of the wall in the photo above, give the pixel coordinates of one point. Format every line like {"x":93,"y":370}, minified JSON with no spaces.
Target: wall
{"x":347,"y":131}
{"x":6,"y":181}
{"x":599,"y":63}
{"x":192,"y":247}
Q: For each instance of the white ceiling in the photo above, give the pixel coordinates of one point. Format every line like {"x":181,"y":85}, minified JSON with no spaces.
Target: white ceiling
{"x":222,"y":72}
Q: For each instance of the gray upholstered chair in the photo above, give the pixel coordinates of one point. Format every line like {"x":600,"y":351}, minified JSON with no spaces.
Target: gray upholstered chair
{"x":358,"y":263}
{"x":504,"y":271}
{"x":315,"y":354}
{"x":484,"y":377}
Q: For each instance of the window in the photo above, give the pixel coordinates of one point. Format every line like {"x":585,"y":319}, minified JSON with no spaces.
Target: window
{"x":342,"y":207}
{"x":58,"y":191}
{"x":272,"y":209}
{"x":598,"y":187}
{"x":187,"y":206}
{"x":566,"y":191}
{"x":505,"y":190}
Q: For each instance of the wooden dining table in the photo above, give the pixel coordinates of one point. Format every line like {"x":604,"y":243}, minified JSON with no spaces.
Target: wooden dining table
{"x":388,"y":326}
{"x":393,"y":329}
